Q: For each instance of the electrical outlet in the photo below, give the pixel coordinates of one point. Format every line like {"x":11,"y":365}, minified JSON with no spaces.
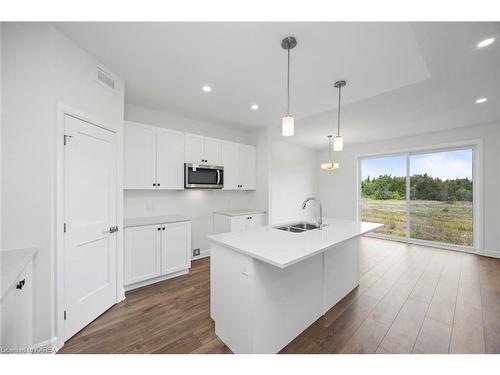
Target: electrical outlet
{"x":196,"y":252}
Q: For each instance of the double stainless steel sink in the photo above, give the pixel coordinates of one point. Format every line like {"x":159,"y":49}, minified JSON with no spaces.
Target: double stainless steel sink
{"x":298,"y":227}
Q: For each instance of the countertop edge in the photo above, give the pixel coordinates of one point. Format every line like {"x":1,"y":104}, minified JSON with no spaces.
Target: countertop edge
{"x":306,"y":256}
{"x":247,"y":212}
{"x":147,"y":220}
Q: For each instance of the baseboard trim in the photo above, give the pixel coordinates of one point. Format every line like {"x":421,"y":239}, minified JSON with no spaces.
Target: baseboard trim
{"x":155,"y":280}
{"x":203,"y":254}
{"x":489,"y":253}
{"x":46,"y":347}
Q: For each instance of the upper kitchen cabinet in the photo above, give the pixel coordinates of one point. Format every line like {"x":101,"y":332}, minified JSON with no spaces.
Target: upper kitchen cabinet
{"x":239,"y":166}
{"x":169,"y":159}
{"x":203,"y":150}
{"x":154,"y":157}
{"x":139,"y":156}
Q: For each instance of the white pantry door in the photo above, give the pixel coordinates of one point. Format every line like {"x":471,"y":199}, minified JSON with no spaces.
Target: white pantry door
{"x":90,"y":212}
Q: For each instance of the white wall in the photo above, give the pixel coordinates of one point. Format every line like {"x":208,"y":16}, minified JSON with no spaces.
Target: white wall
{"x":41,"y":67}
{"x":0,"y":177}
{"x":338,"y":189}
{"x":293,"y":178}
{"x":197,"y":205}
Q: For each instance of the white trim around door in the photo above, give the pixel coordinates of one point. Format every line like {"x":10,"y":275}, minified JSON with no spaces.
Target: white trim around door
{"x":58,"y":302}
{"x":477,"y":177}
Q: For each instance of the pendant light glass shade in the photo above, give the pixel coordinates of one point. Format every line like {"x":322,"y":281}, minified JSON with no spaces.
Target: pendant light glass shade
{"x":287,"y":126}
{"x":331,"y":165}
{"x":338,"y":143}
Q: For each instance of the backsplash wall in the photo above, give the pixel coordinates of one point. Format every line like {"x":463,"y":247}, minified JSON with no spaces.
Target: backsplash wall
{"x":197,"y":205}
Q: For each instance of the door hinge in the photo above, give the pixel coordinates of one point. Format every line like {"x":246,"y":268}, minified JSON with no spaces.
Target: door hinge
{"x":66,"y":138}
{"x":64,"y":227}
{"x":64,"y":314}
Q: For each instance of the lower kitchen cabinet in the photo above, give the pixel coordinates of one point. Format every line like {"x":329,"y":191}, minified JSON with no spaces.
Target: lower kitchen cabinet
{"x":17,"y":311}
{"x":238,"y":223}
{"x":156,"y":252}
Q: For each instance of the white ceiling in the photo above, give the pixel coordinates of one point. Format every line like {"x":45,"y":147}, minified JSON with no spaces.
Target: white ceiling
{"x":403,"y":78}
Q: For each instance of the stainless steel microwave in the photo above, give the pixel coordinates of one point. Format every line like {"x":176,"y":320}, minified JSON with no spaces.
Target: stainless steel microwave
{"x":200,"y":176}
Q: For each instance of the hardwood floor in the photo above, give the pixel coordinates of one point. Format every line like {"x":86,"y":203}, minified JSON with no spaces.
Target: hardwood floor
{"x":411,"y":299}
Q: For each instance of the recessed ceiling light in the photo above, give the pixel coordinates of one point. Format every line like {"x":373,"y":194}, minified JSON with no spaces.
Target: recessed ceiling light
{"x":255,"y":107}
{"x":206,"y":88}
{"x":481,"y":100}
{"x":486,"y":42}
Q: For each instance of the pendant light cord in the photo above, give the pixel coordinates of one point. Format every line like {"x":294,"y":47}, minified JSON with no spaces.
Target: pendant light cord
{"x":288,"y":84}
{"x":338,"y":115}
{"x":330,"y":148}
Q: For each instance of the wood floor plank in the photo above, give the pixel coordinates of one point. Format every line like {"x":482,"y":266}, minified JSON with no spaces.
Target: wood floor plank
{"x":434,"y":338}
{"x":389,"y":312}
{"x":403,"y":332}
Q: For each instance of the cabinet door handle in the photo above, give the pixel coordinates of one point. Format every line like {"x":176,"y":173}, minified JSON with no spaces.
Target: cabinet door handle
{"x":159,"y":228}
{"x":20,"y":284}
{"x":163,"y":228}
{"x":154,"y":184}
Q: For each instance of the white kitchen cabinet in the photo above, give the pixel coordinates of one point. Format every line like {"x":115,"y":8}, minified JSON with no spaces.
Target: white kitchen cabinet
{"x":239,"y":166}
{"x":142,"y":253}
{"x":202,"y":150}
{"x":230,"y":156}
{"x":139,"y":156}
{"x":154,"y":157}
{"x":169,"y":159}
{"x":255,"y":221}
{"x":176,"y":247}
{"x":246,"y":159}
{"x":230,"y":222}
{"x":17,"y":311}
{"x":156,"y":252}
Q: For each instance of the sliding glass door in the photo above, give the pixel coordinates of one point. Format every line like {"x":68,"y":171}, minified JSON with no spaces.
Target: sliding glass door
{"x":383,"y":194}
{"x":441,"y":196}
{"x":421,"y":196}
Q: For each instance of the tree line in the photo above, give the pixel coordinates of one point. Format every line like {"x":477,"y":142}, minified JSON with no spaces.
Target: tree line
{"x":422,"y":187}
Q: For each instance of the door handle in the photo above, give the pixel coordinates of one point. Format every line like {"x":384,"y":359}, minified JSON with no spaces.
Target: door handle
{"x":113,"y":229}
{"x":20,"y":284}
{"x":218,"y":177}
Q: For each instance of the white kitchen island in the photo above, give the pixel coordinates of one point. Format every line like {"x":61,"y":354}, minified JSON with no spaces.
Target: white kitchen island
{"x":268,"y":285}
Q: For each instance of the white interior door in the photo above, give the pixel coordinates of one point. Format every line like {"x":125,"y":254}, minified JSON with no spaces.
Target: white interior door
{"x":90,"y":213}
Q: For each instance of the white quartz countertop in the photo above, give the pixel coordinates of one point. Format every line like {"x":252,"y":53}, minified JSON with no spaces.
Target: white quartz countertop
{"x":282,"y":249}
{"x":240,"y":212}
{"x":13,"y":263}
{"x":152,"y":220}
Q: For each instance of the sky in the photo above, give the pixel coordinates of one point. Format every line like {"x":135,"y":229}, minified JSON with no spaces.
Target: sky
{"x":446,"y":165}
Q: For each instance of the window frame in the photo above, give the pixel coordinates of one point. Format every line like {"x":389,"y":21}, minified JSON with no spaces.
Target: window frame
{"x":477,"y":193}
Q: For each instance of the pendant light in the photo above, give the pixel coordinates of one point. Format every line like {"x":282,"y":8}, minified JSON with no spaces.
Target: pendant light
{"x":287,"y":123}
{"x":330,"y":165}
{"x":338,"y":142}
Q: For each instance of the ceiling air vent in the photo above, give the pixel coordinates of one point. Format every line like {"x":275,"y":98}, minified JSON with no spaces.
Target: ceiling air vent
{"x":105,"y":78}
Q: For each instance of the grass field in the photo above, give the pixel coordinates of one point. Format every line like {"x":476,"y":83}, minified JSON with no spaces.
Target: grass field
{"x":429,"y":220}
